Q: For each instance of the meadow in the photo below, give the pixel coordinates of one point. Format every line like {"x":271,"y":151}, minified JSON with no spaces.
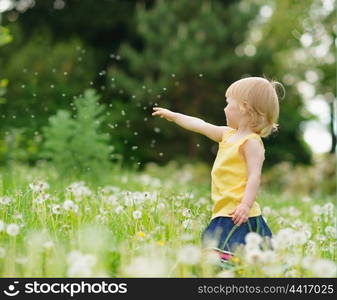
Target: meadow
{"x":148,"y":224}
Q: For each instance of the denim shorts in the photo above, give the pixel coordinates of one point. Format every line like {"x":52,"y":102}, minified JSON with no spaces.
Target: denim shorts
{"x":227,"y":236}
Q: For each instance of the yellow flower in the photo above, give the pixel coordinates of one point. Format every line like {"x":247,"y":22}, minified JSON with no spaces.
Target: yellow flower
{"x":235,"y":259}
{"x":140,"y":234}
{"x":160,"y":243}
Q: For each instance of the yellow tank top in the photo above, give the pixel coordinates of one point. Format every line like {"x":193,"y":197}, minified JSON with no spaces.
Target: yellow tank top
{"x":229,"y":176}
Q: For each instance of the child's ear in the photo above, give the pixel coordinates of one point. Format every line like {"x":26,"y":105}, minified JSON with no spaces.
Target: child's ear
{"x":244,"y":107}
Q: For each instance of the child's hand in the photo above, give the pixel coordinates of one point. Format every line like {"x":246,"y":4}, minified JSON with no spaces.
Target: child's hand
{"x":164,"y":113}
{"x":240,"y":214}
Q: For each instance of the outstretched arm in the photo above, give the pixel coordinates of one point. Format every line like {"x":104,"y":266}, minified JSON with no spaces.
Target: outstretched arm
{"x":194,"y":124}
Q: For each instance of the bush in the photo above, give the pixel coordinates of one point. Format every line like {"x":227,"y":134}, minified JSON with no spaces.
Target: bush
{"x":75,"y":145}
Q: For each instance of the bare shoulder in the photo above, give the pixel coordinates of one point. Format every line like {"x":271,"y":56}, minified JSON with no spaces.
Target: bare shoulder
{"x":223,"y":130}
{"x":213,"y":132}
{"x":253,"y":147}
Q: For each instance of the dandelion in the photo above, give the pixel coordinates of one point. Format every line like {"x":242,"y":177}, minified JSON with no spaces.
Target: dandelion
{"x":112,"y":200}
{"x":56,"y":209}
{"x":41,"y":198}
{"x":225,"y":274}
{"x":328,"y":208}
{"x":119,"y":209}
{"x":253,"y":256}
{"x":186,"y":212}
{"x":316,"y":209}
{"x":70,"y":205}
{"x":147,"y":267}
{"x":80,"y":265}
{"x":161,"y":206}
{"x":324,"y":268}
{"x":5,"y":200}
{"x":269,"y":256}
{"x":300,"y":238}
{"x":39,"y":186}
{"x":330,"y":231}
{"x":187,"y":224}
{"x":137,"y":214}
{"x":140,"y":235}
{"x":160,"y":243}
{"x":189,"y":254}
{"x":13,"y":229}
{"x":253,"y":239}
{"x":48,"y":245}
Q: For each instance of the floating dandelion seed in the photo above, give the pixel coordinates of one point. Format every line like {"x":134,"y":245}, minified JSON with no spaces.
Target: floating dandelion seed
{"x":156,"y":129}
{"x":201,"y":75}
{"x":123,"y":112}
{"x":161,"y":154}
{"x":173,"y":75}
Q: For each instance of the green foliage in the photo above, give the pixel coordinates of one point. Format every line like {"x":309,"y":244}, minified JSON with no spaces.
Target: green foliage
{"x":75,"y":144}
{"x":5,"y":36}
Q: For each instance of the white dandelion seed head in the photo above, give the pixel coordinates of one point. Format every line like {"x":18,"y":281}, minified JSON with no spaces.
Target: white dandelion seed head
{"x":329,"y":230}
{"x":56,"y":209}
{"x":186,"y":212}
{"x":39,"y":186}
{"x":189,"y":254}
{"x":161,"y":205}
{"x":111,"y":200}
{"x":12,"y":229}
{"x":253,"y":239}
{"x":48,"y":244}
{"x":137,"y":214}
{"x":328,"y":208}
{"x":41,"y":198}
{"x":225,"y":274}
{"x":147,"y":267}
{"x":300,"y":238}
{"x":128,"y":201}
{"x":119,"y":209}
{"x":5,"y":200}
{"x":80,"y":265}
{"x":269,"y":256}
{"x":308,"y":261}
{"x":69,"y":205}
{"x":316,"y":209}
{"x":324,"y":268}
{"x":253,"y":256}
{"x":187,"y":224}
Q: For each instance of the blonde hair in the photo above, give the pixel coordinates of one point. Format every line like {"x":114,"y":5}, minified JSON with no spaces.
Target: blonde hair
{"x":258,"y":97}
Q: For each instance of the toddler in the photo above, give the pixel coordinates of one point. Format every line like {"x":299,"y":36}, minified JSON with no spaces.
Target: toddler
{"x":251,"y":112}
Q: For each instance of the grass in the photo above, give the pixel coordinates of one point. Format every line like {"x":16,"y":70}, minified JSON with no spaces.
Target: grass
{"x":136,"y":224}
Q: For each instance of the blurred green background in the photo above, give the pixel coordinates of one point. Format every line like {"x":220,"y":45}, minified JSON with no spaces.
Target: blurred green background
{"x":78,"y":80}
